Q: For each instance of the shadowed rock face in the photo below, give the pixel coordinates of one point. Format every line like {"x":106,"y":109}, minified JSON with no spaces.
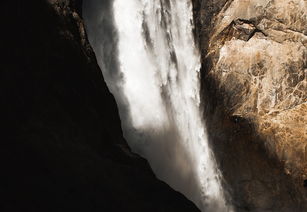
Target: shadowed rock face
{"x":62,"y":146}
{"x":254,"y":87}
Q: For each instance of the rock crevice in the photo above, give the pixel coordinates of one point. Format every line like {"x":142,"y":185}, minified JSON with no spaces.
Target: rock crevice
{"x":254,"y":72}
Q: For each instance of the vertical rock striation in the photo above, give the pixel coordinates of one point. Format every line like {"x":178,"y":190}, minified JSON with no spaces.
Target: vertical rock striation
{"x":254,"y":85}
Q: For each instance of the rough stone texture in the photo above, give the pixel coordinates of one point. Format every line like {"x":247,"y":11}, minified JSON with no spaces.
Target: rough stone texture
{"x":61,"y":142}
{"x":254,"y":88}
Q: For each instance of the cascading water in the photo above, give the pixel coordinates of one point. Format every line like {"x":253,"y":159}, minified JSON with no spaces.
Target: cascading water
{"x":147,"y":54}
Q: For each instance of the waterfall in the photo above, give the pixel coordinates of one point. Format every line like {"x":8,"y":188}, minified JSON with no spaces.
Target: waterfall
{"x":146,"y":51}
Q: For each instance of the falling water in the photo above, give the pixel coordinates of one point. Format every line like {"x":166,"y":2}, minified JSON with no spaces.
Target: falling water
{"x":148,"y":57}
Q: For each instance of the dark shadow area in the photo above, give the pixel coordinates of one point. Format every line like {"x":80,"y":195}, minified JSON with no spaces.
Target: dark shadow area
{"x":253,"y":179}
{"x":62,"y":145}
{"x":102,"y":33}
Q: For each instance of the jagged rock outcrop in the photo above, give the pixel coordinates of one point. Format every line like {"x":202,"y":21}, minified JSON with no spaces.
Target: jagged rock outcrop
{"x":61,"y":142}
{"x":254,"y":79}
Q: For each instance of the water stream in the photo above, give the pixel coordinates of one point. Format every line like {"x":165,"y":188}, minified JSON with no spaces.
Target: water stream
{"x":146,"y":51}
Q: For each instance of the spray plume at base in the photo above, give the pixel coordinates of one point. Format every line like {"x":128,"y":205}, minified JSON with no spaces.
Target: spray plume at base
{"x":154,"y":76}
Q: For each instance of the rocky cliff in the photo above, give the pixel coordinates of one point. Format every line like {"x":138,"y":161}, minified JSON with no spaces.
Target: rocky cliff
{"x":61,"y":142}
{"x":254,"y":90}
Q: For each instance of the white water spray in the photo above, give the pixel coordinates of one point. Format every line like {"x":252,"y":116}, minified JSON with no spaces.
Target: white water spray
{"x":158,"y":77}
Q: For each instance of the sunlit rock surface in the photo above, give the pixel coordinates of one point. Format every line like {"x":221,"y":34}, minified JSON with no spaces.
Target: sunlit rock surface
{"x":254,"y":73}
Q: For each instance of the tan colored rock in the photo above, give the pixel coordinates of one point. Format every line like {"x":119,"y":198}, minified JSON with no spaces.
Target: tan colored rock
{"x":267,"y":74}
{"x":286,"y":138}
{"x":255,"y":72}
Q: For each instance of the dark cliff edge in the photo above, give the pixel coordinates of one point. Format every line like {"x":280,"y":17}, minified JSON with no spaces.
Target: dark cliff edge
{"x":244,"y":86}
{"x":61,"y":143}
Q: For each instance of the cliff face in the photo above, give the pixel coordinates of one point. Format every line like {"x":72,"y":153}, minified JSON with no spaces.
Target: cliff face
{"x":62,"y":145}
{"x":254,"y":79}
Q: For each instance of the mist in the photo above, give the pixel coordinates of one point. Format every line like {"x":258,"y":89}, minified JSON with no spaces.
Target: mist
{"x":149,"y":60}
